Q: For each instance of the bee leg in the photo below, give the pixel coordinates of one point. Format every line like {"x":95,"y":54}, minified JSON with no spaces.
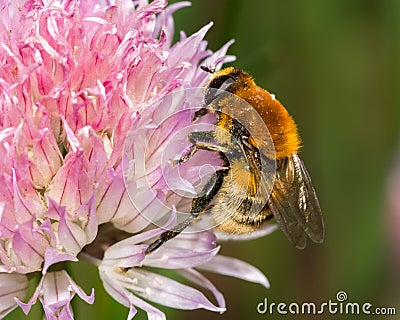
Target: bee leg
{"x":196,"y":137}
{"x":199,"y":204}
{"x":199,"y":113}
{"x":193,"y":149}
{"x":201,"y":140}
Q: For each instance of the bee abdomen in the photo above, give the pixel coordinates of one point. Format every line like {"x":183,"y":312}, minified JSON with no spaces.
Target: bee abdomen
{"x":245,"y":219}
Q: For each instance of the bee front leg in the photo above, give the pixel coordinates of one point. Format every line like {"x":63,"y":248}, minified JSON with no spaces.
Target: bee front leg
{"x":201,"y":140}
{"x":199,"y":205}
{"x":199,"y":113}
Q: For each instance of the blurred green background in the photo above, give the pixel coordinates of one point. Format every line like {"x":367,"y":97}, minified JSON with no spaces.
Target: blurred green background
{"x":335,"y":66}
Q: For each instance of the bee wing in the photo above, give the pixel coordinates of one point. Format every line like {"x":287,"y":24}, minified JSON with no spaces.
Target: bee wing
{"x":294,"y":203}
{"x":263,"y":171}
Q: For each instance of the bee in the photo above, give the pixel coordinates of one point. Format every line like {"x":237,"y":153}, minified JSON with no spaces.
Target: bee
{"x":238,"y":198}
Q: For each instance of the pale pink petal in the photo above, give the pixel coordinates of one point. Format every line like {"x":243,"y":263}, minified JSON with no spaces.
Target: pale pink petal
{"x":195,"y":240}
{"x":129,"y":216}
{"x":46,"y":157}
{"x":111,"y":196}
{"x":71,"y":235}
{"x":52,"y":257}
{"x":235,"y":268}
{"x":30,"y":245}
{"x":55,"y":291}
{"x":12,"y":286}
{"x":183,"y":50}
{"x":8,"y":262}
{"x":93,"y":146}
{"x":197,"y":278}
{"x":26,"y":307}
{"x":64,"y":313}
{"x":78,"y":290}
{"x":21,"y":204}
{"x":25,"y":208}
{"x":71,"y":185}
{"x":174,"y":258}
{"x":151,"y":9}
{"x":154,"y":287}
{"x":115,"y":288}
{"x":187,"y":250}
{"x":165,"y":21}
{"x":124,"y":256}
{"x":86,"y":215}
{"x":55,"y":211}
{"x":76,"y":231}
{"x":129,"y":252}
{"x":168,"y":292}
{"x":217,"y":59}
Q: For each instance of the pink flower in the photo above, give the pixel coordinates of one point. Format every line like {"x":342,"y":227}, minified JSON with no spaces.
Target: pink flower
{"x":78,"y":80}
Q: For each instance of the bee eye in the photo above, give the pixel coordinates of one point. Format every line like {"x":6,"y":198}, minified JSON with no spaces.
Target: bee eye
{"x":216,"y":85}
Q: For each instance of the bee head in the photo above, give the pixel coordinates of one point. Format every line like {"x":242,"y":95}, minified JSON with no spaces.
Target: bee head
{"x":228,"y":79}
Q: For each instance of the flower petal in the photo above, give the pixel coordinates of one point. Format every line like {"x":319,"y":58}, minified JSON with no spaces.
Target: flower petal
{"x":11,"y":286}
{"x":124,"y":256}
{"x":185,"y":251}
{"x":218,"y":58}
{"x":129,"y":252}
{"x":71,"y":235}
{"x":55,"y":291}
{"x":110,"y":196}
{"x":115,"y":287}
{"x":76,"y":232}
{"x":52,"y":257}
{"x":197,"y":278}
{"x":153,"y":287}
{"x":168,"y":292}
{"x":93,"y":146}
{"x":46,"y":157}
{"x":86,"y":214}
{"x":183,"y":51}
{"x":175,"y":258}
{"x":29,"y":244}
{"x":72,"y":139}
{"x":71,"y":185}
{"x":165,"y":21}
{"x":24,"y":207}
{"x":235,"y":268}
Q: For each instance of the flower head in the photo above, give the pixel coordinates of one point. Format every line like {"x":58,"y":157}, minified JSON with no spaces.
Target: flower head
{"x":77,"y":79}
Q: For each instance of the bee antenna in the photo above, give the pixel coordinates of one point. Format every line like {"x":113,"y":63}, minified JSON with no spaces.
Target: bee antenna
{"x":208,"y":69}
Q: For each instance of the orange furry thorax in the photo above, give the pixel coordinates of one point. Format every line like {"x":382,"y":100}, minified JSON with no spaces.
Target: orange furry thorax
{"x":281,"y":126}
